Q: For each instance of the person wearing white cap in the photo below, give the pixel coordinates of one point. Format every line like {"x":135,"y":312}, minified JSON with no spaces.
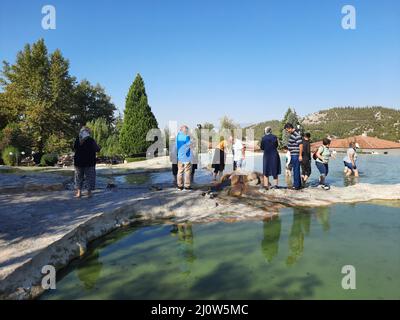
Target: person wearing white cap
{"x":350,"y":166}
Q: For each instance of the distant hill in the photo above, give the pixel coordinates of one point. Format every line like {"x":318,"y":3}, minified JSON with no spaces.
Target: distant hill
{"x":259,"y":128}
{"x":377,"y":122}
{"x":344,"y":122}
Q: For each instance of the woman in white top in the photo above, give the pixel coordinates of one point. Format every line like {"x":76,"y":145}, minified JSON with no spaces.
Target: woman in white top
{"x":349,"y":160}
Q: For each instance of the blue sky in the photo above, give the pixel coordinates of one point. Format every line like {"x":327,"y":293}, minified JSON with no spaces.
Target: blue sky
{"x":201,"y":60}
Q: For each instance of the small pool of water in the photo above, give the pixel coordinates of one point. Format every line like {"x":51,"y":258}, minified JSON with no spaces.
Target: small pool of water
{"x":298,"y":255}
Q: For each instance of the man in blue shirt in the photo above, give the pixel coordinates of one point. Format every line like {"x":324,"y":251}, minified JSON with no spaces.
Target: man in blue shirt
{"x":184,"y":156}
{"x":295,"y":146}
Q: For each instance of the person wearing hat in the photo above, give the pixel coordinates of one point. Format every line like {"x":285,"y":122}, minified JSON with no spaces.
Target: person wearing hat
{"x":350,"y":166}
{"x":85,"y":148}
{"x":271,"y":159}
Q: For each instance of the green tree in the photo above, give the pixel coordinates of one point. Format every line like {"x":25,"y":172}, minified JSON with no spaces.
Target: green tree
{"x":138,"y":120}
{"x":292,"y":118}
{"x":90,"y":103}
{"x":36,"y":90}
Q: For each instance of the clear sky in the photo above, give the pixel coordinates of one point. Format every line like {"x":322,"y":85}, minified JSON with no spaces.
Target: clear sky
{"x":202,"y":59}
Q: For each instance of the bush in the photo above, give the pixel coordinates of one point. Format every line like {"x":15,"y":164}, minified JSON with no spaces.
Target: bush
{"x":49,"y":159}
{"x":10,"y":160}
{"x":135,"y":159}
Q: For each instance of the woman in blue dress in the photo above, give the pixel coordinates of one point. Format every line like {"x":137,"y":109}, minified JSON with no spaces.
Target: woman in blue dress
{"x":271,"y":159}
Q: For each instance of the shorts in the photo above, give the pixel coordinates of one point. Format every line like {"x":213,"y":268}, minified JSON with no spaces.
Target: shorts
{"x":323,"y":168}
{"x":306,"y":167}
{"x":349,"y":165}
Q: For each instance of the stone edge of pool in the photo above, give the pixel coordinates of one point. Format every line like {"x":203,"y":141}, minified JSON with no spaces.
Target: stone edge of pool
{"x":24,"y":281}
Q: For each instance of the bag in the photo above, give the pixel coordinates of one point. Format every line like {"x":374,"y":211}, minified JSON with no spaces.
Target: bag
{"x":315,"y":153}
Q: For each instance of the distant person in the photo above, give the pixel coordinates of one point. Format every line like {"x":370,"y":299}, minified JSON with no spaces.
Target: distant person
{"x":85,"y":148}
{"x":271,"y":159}
{"x":173,"y":157}
{"x":306,"y":162}
{"x":239,"y":151}
{"x":219,"y":158}
{"x":288,"y":164}
{"x":350,"y":165}
{"x":295,"y":146}
{"x":195,"y":160}
{"x":323,"y":155}
{"x":184,"y":157}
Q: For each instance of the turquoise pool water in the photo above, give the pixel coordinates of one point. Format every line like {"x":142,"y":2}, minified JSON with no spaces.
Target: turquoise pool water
{"x":298,"y":255}
{"x":376,"y":169}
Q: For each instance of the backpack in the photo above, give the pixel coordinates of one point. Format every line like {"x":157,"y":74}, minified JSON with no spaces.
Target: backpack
{"x":315,"y":152}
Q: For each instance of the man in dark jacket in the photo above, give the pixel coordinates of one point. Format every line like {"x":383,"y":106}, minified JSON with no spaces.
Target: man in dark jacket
{"x":85,"y":148}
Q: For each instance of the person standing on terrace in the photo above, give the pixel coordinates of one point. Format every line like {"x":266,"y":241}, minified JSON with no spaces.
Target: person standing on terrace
{"x":306,"y":163}
{"x":85,"y":148}
{"x":184,"y":157}
{"x":295,"y":146}
{"x":271,"y":159}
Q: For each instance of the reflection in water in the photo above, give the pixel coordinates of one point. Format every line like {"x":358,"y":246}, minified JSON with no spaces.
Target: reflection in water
{"x":185,"y":239}
{"x":322,"y":214}
{"x":272,"y":232}
{"x":300,"y":228}
{"x":350,"y":181}
{"x":89,"y":270}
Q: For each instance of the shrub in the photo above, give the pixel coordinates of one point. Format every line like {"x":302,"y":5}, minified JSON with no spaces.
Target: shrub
{"x":10,"y":159}
{"x":135,"y":159}
{"x":49,"y":159}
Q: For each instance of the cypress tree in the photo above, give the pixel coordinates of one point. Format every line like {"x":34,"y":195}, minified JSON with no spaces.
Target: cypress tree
{"x":138,"y":120}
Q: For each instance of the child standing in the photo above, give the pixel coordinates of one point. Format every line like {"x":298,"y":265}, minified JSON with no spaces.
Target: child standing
{"x":322,"y":159}
{"x":288,"y":164}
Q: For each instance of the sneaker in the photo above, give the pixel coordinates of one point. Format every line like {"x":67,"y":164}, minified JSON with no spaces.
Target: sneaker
{"x":295,"y":188}
{"x":180,"y":188}
{"x":188,"y":188}
{"x":326,"y":187}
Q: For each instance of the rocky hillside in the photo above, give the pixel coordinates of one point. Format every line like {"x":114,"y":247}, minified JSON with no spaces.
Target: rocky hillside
{"x":378,"y":122}
{"x":344,"y":122}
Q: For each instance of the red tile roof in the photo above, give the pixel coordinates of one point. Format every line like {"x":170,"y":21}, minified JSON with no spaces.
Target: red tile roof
{"x":365,"y":142}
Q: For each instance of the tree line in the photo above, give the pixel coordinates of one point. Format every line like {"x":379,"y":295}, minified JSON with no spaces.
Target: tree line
{"x":42,"y":108}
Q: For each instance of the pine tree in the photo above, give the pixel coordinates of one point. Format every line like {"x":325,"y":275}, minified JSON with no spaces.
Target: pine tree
{"x":138,"y":120}
{"x":292,"y":118}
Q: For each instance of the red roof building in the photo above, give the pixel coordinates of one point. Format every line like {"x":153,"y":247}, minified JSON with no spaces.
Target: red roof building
{"x":365,"y":143}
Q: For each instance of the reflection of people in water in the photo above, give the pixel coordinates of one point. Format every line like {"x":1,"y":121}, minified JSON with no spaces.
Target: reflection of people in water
{"x":185,"y":238}
{"x":300,"y":228}
{"x":322,"y":214}
{"x":89,"y":270}
{"x":272,"y":232}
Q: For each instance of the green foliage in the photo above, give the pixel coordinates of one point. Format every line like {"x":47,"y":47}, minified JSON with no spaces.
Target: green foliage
{"x":135,"y":159}
{"x":49,"y":159}
{"x":378,"y":122}
{"x":258,"y":128}
{"x":12,"y":135}
{"x":10,"y":155}
{"x":40,"y":95}
{"x":58,"y":144}
{"x":138,"y":120}
{"x":106,"y":136}
{"x":227,"y":123}
{"x":292,"y":118}
{"x":90,"y":103}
